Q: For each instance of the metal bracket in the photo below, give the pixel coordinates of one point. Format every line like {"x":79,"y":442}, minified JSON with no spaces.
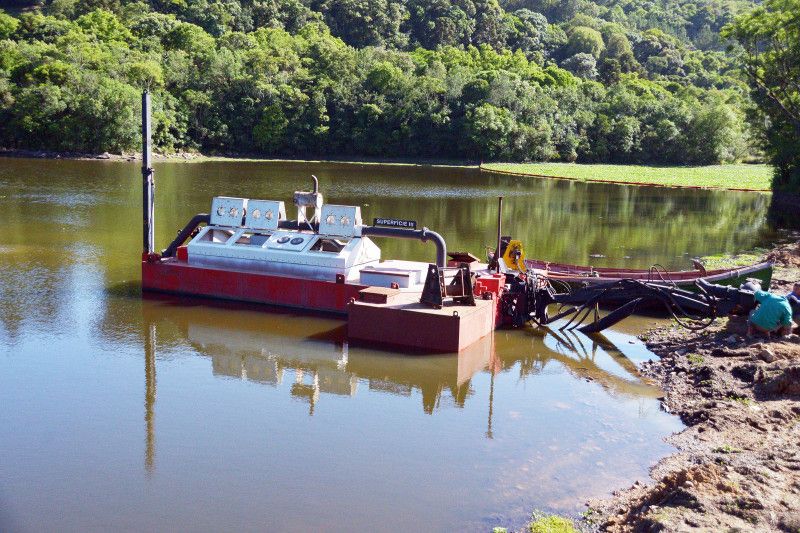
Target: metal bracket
{"x":443,"y":282}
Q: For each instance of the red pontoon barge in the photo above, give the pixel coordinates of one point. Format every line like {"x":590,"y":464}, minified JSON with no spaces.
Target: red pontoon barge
{"x":324,"y":260}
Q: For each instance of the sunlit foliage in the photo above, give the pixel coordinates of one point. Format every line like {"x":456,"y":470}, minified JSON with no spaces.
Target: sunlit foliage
{"x":466,"y":79}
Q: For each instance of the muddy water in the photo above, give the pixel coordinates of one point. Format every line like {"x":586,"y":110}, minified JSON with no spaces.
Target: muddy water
{"x":123,"y":413}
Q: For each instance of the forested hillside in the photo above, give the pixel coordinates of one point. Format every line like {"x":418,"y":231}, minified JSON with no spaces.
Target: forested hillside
{"x":611,"y":81}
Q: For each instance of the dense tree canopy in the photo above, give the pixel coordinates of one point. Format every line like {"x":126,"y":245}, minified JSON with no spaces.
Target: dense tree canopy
{"x":470,"y":79}
{"x":770,"y":39}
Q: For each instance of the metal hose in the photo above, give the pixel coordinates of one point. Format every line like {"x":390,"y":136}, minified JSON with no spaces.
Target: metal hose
{"x":184,"y":234}
{"x":423,"y":235}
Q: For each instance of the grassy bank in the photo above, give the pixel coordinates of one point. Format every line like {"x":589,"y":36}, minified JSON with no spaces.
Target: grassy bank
{"x":753,"y":177}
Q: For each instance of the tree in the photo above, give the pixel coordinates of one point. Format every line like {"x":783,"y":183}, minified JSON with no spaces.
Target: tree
{"x":8,"y":25}
{"x":770,"y":40}
{"x":717,"y":133}
{"x":528,"y":31}
{"x":619,"y":48}
{"x":490,"y":24}
{"x":37,"y":27}
{"x":270,"y":131}
{"x":153,"y":26}
{"x":489,"y":131}
{"x":290,"y":15}
{"x":362,"y":23}
{"x":584,"y":40}
{"x":104,"y":25}
{"x":582,"y":65}
{"x":435,"y":23}
{"x":189,"y":38}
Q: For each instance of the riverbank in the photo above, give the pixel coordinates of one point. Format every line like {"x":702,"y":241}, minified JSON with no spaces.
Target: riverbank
{"x":726,"y":177}
{"x":738,"y":464}
{"x":196,"y":157}
{"x":738,"y":177}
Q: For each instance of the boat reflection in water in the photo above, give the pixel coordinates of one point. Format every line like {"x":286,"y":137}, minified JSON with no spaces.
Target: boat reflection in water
{"x":332,"y":366}
{"x":311,"y":354}
{"x":522,"y":408}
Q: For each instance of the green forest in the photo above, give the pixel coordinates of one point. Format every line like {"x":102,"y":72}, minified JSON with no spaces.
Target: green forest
{"x":656,"y":81}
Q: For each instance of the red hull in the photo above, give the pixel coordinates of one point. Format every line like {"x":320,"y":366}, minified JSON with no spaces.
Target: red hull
{"x":409,"y":325}
{"x":178,"y":277}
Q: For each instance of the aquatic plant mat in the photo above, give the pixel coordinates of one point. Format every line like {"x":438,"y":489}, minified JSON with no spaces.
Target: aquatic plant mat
{"x":734,"y":177}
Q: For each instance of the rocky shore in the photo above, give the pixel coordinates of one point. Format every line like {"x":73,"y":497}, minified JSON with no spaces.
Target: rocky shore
{"x":738,"y":461}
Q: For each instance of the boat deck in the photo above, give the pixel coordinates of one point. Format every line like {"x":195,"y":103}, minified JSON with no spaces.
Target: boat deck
{"x":403,"y":321}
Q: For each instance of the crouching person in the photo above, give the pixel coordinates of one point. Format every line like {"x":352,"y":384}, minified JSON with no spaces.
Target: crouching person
{"x":794,"y":302}
{"x":773,"y":315}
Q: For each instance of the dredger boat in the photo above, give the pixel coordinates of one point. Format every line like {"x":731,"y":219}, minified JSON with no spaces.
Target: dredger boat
{"x":325,"y":260}
{"x":247,"y":250}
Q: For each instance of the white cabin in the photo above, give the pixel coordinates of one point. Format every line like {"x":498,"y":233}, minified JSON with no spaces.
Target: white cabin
{"x":245,"y":234}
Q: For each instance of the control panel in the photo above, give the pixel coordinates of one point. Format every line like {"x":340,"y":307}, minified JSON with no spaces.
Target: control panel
{"x":290,"y":241}
{"x":340,"y":220}
{"x":227,"y":211}
{"x":264,"y":214}
{"x":246,"y":234}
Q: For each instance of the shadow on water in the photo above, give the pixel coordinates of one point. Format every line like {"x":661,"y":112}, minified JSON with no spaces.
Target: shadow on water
{"x":784,"y":211}
{"x":126,"y":289}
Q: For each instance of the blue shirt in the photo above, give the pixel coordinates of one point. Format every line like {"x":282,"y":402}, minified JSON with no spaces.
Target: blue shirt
{"x":773,"y":311}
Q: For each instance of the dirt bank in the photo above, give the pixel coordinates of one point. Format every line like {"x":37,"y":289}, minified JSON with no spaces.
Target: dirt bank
{"x":738,"y":465}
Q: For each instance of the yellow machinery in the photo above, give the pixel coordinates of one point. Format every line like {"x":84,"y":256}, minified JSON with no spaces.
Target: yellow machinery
{"x":514,"y":256}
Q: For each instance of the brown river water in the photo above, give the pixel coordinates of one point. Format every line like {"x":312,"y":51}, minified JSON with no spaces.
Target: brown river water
{"x":123,"y":413}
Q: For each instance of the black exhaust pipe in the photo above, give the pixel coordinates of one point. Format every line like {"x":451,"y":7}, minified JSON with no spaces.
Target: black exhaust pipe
{"x":148,"y":184}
